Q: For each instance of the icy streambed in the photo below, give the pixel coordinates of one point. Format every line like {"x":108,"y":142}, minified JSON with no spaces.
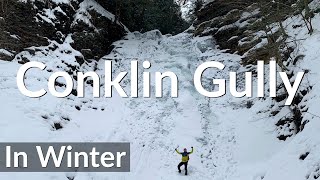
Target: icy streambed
{"x":227,"y":140}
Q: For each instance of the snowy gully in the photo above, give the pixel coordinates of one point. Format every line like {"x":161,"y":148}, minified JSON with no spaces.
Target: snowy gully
{"x":159,"y":77}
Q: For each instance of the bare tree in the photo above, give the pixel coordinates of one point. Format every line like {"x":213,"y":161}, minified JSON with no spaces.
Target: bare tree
{"x":4,"y":4}
{"x":306,"y":13}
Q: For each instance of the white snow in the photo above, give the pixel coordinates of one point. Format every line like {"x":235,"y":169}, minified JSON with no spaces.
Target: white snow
{"x":5,"y":52}
{"x":84,"y":15}
{"x":218,"y":128}
{"x":231,"y":141}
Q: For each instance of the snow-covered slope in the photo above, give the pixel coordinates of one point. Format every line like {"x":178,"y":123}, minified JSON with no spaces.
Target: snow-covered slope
{"x":233,"y":138}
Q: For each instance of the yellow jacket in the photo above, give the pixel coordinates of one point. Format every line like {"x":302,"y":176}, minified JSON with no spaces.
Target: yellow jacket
{"x":185,"y":155}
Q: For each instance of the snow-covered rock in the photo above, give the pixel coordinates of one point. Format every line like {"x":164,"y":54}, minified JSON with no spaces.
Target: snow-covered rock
{"x":35,"y":23}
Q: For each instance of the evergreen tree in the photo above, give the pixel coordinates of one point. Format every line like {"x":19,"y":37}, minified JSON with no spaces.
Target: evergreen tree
{"x":146,"y":15}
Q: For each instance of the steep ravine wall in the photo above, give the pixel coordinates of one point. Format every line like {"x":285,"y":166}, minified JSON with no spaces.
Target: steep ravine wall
{"x":35,"y":23}
{"x":247,"y":28}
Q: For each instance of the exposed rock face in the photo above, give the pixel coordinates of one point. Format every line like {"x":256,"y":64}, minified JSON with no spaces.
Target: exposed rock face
{"x":228,"y":23}
{"x":256,"y":33}
{"x":35,"y":23}
{"x":19,"y":29}
{"x":243,"y":27}
{"x":220,"y":8}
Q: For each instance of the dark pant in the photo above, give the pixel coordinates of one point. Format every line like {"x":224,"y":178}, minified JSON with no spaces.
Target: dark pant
{"x":185,"y":166}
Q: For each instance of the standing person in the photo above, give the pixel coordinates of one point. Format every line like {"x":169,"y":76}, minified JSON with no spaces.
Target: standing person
{"x":184,"y":160}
